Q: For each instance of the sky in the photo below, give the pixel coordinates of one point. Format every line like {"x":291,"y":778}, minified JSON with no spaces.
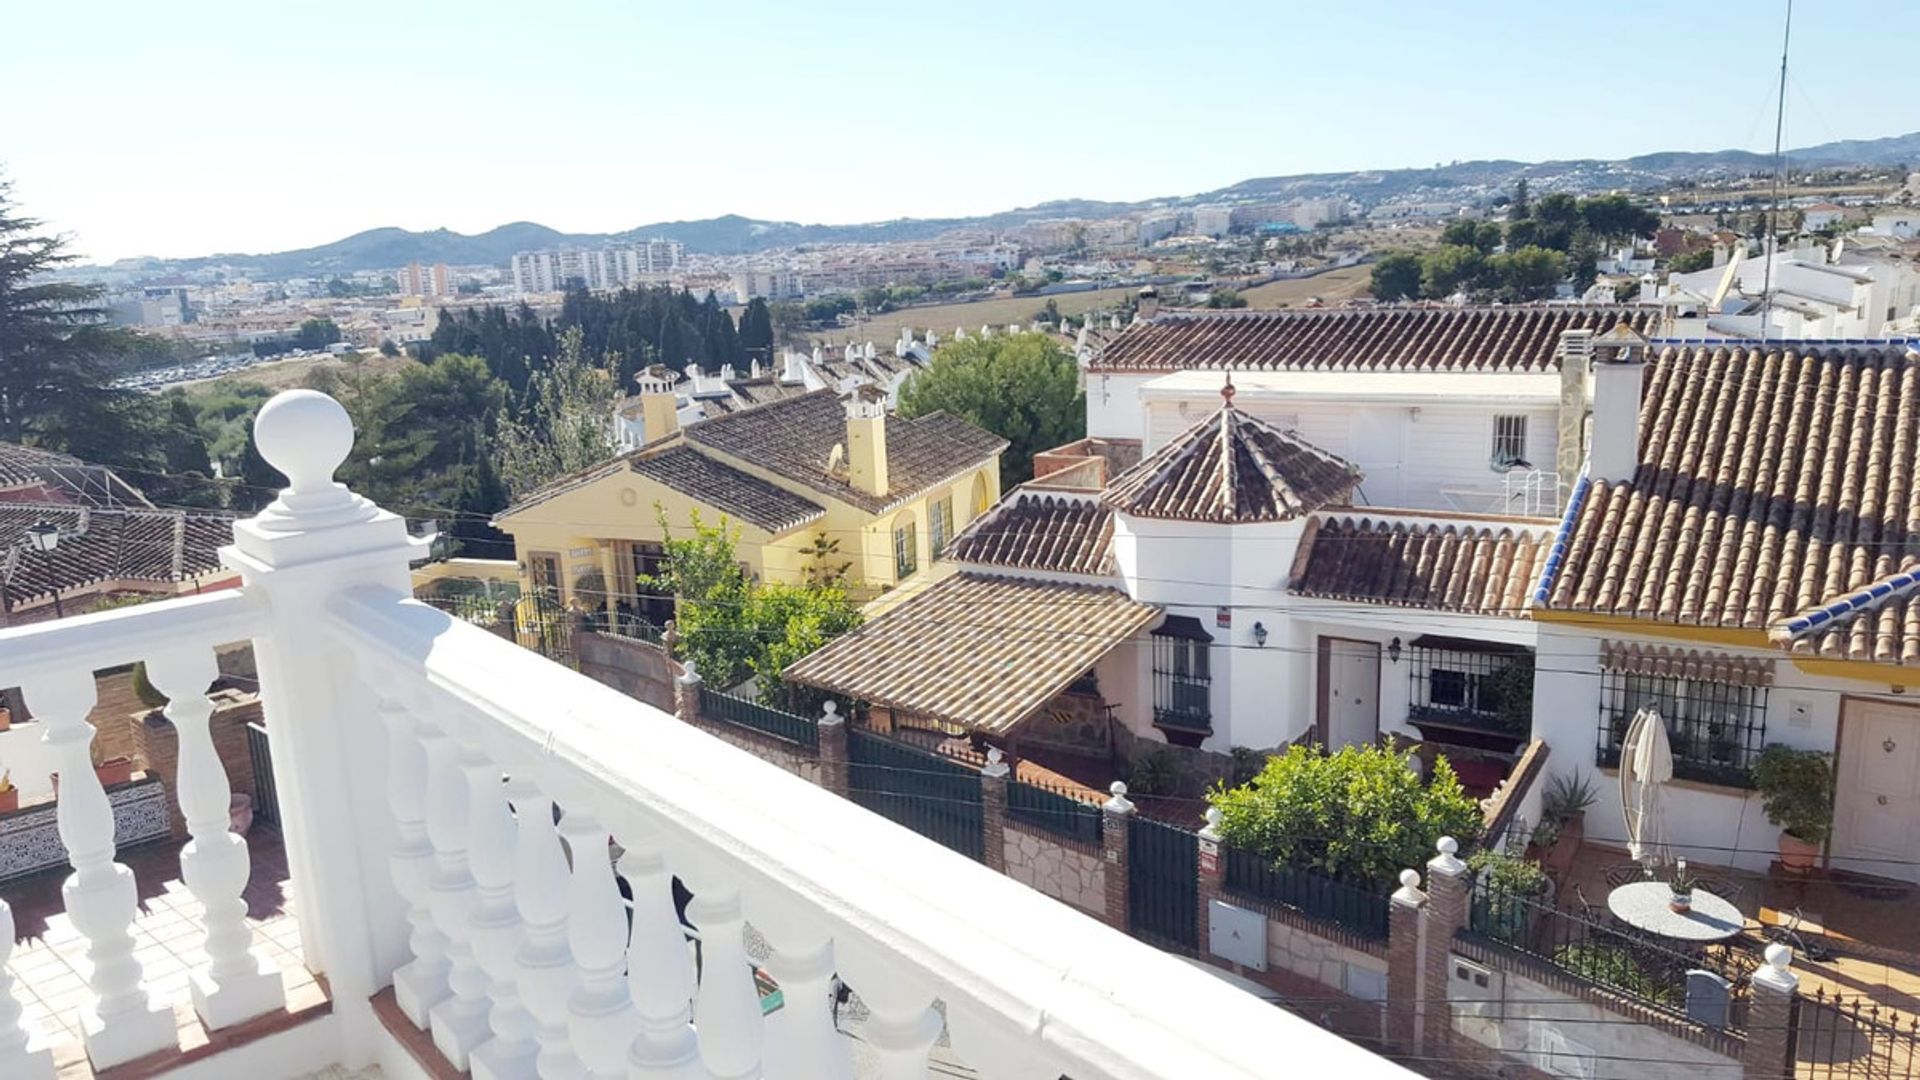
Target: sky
{"x":205,"y":126}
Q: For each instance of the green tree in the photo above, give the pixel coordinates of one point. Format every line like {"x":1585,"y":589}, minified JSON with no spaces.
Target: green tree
{"x":1580,"y":260}
{"x":1483,"y":236}
{"x":1523,"y":233}
{"x":1360,"y":815}
{"x":1531,"y":273}
{"x":1396,"y":276}
{"x":317,"y":334}
{"x":1616,"y":217}
{"x":1687,"y":262}
{"x":1557,"y":215}
{"x":1022,"y":387}
{"x":1520,"y":209}
{"x":421,"y":432}
{"x":1447,"y":269}
{"x":56,"y":353}
{"x":566,"y":425}
{"x":756,"y":331}
{"x":1225,"y":298}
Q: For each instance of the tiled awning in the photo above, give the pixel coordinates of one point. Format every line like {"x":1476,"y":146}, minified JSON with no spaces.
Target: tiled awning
{"x":1637,"y":659}
{"x":980,"y":651}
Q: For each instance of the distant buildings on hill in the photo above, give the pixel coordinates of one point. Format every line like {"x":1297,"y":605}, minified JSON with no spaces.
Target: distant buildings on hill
{"x":606,"y":268}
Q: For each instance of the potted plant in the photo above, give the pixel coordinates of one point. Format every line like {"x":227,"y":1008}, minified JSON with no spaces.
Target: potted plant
{"x":1796,"y":790}
{"x":9,"y":795}
{"x":111,"y":770}
{"x":1680,"y":889}
{"x":1563,"y":813}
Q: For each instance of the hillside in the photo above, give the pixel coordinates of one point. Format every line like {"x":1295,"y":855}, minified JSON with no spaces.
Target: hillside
{"x":733,"y":234}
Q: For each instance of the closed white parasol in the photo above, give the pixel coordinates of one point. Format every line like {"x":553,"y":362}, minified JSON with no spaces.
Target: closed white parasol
{"x":1646,"y":764}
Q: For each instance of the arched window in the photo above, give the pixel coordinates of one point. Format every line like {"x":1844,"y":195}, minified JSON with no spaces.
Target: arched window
{"x":906,"y":547}
{"x":979,"y":495}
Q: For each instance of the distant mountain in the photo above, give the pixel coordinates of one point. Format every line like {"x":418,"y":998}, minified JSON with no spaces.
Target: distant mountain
{"x":378,"y":249}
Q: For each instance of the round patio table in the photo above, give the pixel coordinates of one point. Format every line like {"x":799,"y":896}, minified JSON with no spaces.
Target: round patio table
{"x":1643,"y":905}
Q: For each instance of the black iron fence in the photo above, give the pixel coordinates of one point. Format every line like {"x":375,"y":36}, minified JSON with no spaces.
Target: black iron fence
{"x":1356,"y":908}
{"x":746,"y":713}
{"x":1054,"y":811}
{"x":1847,"y":1037}
{"x":1708,"y":985}
{"x":1163,"y":878}
{"x":925,"y":792}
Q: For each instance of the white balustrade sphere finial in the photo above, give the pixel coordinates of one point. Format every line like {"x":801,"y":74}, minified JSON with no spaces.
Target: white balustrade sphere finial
{"x":1410,"y":879}
{"x":1447,"y":845}
{"x":1118,"y":788}
{"x":1214,"y":817}
{"x":995,"y":755}
{"x":1779,"y":957}
{"x":830,"y":707}
{"x":306,"y":435}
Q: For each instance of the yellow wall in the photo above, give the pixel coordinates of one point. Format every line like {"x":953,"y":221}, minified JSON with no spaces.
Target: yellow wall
{"x":621,"y":506}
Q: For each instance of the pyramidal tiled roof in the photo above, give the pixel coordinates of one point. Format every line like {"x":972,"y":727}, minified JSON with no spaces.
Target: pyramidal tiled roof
{"x":1776,"y":489}
{"x":1030,"y":531}
{"x":1233,"y":468}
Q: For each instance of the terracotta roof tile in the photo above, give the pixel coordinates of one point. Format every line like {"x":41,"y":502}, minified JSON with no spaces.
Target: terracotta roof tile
{"x":794,"y":438}
{"x":63,"y":478}
{"x":740,"y":495}
{"x":1040,"y":532}
{"x":1465,"y":567}
{"x":981,"y":651}
{"x":1232,"y":468}
{"x":1770,"y":483}
{"x":96,"y":545}
{"x":1520,"y":338}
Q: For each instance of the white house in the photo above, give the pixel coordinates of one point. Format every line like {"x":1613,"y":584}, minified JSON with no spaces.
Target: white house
{"x":1814,"y":296}
{"x":1901,"y":224}
{"x":1822,"y":215}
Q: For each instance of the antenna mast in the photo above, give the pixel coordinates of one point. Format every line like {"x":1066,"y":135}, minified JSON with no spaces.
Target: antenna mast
{"x":1779,"y":167}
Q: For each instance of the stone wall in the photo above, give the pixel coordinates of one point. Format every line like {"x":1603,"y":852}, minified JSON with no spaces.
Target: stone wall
{"x":1059,"y":868}
{"x":156,"y":743}
{"x":1356,"y":972}
{"x":794,"y":759}
{"x":635,"y":668}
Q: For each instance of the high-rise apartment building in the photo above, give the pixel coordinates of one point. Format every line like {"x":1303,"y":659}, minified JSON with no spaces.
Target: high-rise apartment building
{"x":417,"y":280}
{"x":603,"y":268}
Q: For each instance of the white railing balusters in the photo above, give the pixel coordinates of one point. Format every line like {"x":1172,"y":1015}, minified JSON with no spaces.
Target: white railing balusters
{"x":18,"y":1058}
{"x":459,"y":1023}
{"x":726,"y":1011}
{"x":420,"y":983}
{"x":497,"y":930}
{"x":237,"y":983}
{"x":121,"y":1024}
{"x":548,"y":974}
{"x":600,"y":1017}
{"x":999,"y":1052}
{"x":660,"y":976}
{"x":802,"y":1042}
{"x":902,"y":1024}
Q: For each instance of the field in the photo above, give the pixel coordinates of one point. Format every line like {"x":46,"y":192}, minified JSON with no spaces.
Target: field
{"x":289,"y":374}
{"x":883,"y":330}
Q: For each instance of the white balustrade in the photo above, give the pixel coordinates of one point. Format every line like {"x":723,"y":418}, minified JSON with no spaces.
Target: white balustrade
{"x":802,"y":1041}
{"x":420,"y":983}
{"x":902,"y":1024}
{"x":18,"y":1056}
{"x":237,"y":982}
{"x":459,"y":1023}
{"x":496,"y":927}
{"x":600,"y":1016}
{"x":122,"y":1023}
{"x":660,"y":975}
{"x":544,"y":960}
{"x":727,"y":1009}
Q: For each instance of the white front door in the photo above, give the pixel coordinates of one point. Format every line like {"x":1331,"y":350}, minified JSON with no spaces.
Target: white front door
{"x":1877,"y":802}
{"x":1350,"y":671}
{"x":1379,"y":448}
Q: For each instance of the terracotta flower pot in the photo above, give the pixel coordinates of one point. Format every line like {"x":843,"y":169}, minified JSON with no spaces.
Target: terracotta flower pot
{"x":1680,"y":903}
{"x":116,"y":770}
{"x":1796,"y":854}
{"x":240,"y":813}
{"x":9,"y":799}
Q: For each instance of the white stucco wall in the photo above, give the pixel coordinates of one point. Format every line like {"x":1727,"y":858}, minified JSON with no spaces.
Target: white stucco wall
{"x":1113,"y":406}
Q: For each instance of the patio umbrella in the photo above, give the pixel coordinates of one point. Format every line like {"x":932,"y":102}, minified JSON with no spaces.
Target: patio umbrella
{"x":1646,"y":764}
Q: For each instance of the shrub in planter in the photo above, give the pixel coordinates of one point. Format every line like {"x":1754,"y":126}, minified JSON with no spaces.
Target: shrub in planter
{"x":1796,"y":791}
{"x":143,"y":688}
{"x":1512,"y":887}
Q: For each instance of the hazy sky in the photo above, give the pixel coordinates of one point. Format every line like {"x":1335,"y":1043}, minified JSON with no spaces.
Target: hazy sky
{"x":195,"y":127}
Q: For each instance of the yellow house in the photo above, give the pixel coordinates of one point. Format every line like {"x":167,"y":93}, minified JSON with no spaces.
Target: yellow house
{"x":787,"y":475}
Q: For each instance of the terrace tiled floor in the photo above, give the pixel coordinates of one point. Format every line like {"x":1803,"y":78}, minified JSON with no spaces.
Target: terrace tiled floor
{"x":49,"y":961}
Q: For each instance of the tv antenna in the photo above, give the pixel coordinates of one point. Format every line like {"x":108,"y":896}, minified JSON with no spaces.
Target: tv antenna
{"x":1779,"y":168}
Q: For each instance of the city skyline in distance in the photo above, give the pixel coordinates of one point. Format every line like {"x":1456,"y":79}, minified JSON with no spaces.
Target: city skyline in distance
{"x":180,"y":138}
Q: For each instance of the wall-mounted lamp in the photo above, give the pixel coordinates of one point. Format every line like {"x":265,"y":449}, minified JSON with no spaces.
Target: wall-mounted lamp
{"x":1393,"y":650}
{"x":1259,"y":633}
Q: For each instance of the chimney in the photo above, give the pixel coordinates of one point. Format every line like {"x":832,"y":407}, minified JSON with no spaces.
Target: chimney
{"x":659,"y":406}
{"x":793,"y":362}
{"x":867,"y":439}
{"x":1619,"y":370}
{"x":1575,"y":353}
{"x":1149,"y":303}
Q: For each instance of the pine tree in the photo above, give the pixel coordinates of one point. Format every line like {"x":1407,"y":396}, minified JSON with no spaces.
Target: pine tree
{"x":756,"y":331}
{"x":1520,"y":207}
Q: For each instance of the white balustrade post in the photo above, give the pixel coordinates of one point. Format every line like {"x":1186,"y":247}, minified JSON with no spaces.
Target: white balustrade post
{"x":545,"y":961}
{"x":315,"y":541}
{"x":660,"y":977}
{"x":998,"y":1051}
{"x":236,"y":983}
{"x":726,"y":1011}
{"x":600,"y":1016}
{"x":19,"y":1056}
{"x":903,"y":1025}
{"x":802,"y":1042}
{"x":420,"y":983}
{"x":122,"y":1023}
{"x":459,"y":1023}
{"x":496,"y":927}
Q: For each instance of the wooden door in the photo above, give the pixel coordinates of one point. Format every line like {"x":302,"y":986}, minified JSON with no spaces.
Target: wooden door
{"x":1349,"y":692}
{"x":1877,"y":798}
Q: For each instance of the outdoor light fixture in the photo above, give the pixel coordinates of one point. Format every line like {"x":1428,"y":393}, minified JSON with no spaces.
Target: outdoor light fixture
{"x":1393,"y":650}
{"x":45,"y":536}
{"x":1259,"y":633}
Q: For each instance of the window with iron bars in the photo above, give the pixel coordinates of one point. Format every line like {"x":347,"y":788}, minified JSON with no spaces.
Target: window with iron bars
{"x":1716,"y":729}
{"x":1182,"y":685}
{"x":1486,"y":687}
{"x":1509,"y":442}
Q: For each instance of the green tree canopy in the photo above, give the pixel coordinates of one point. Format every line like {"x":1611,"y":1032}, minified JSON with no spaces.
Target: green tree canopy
{"x":1396,"y":276}
{"x":1447,"y":269}
{"x":1360,"y":815}
{"x":1531,"y":273}
{"x":1483,"y":236}
{"x":1024,"y":388}
{"x":566,"y":424}
{"x":1616,"y":217}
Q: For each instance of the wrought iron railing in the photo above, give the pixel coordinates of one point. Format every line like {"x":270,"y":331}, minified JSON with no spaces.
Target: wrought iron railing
{"x":1845,"y":1036}
{"x":1054,"y":811}
{"x":746,"y":713}
{"x":1358,"y":909}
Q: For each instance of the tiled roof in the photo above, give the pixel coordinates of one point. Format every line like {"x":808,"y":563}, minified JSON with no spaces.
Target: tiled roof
{"x":1522,"y":338}
{"x":794,"y":438}
{"x":1040,"y":532}
{"x":1770,"y":484}
{"x":64,"y":478}
{"x":1468,"y":567}
{"x":1233,"y":468}
{"x":980,"y":651}
{"x":96,"y":545}
{"x":749,"y":393}
{"x":725,"y":488}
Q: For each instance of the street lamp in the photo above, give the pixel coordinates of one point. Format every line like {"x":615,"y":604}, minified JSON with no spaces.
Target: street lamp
{"x":45,"y":536}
